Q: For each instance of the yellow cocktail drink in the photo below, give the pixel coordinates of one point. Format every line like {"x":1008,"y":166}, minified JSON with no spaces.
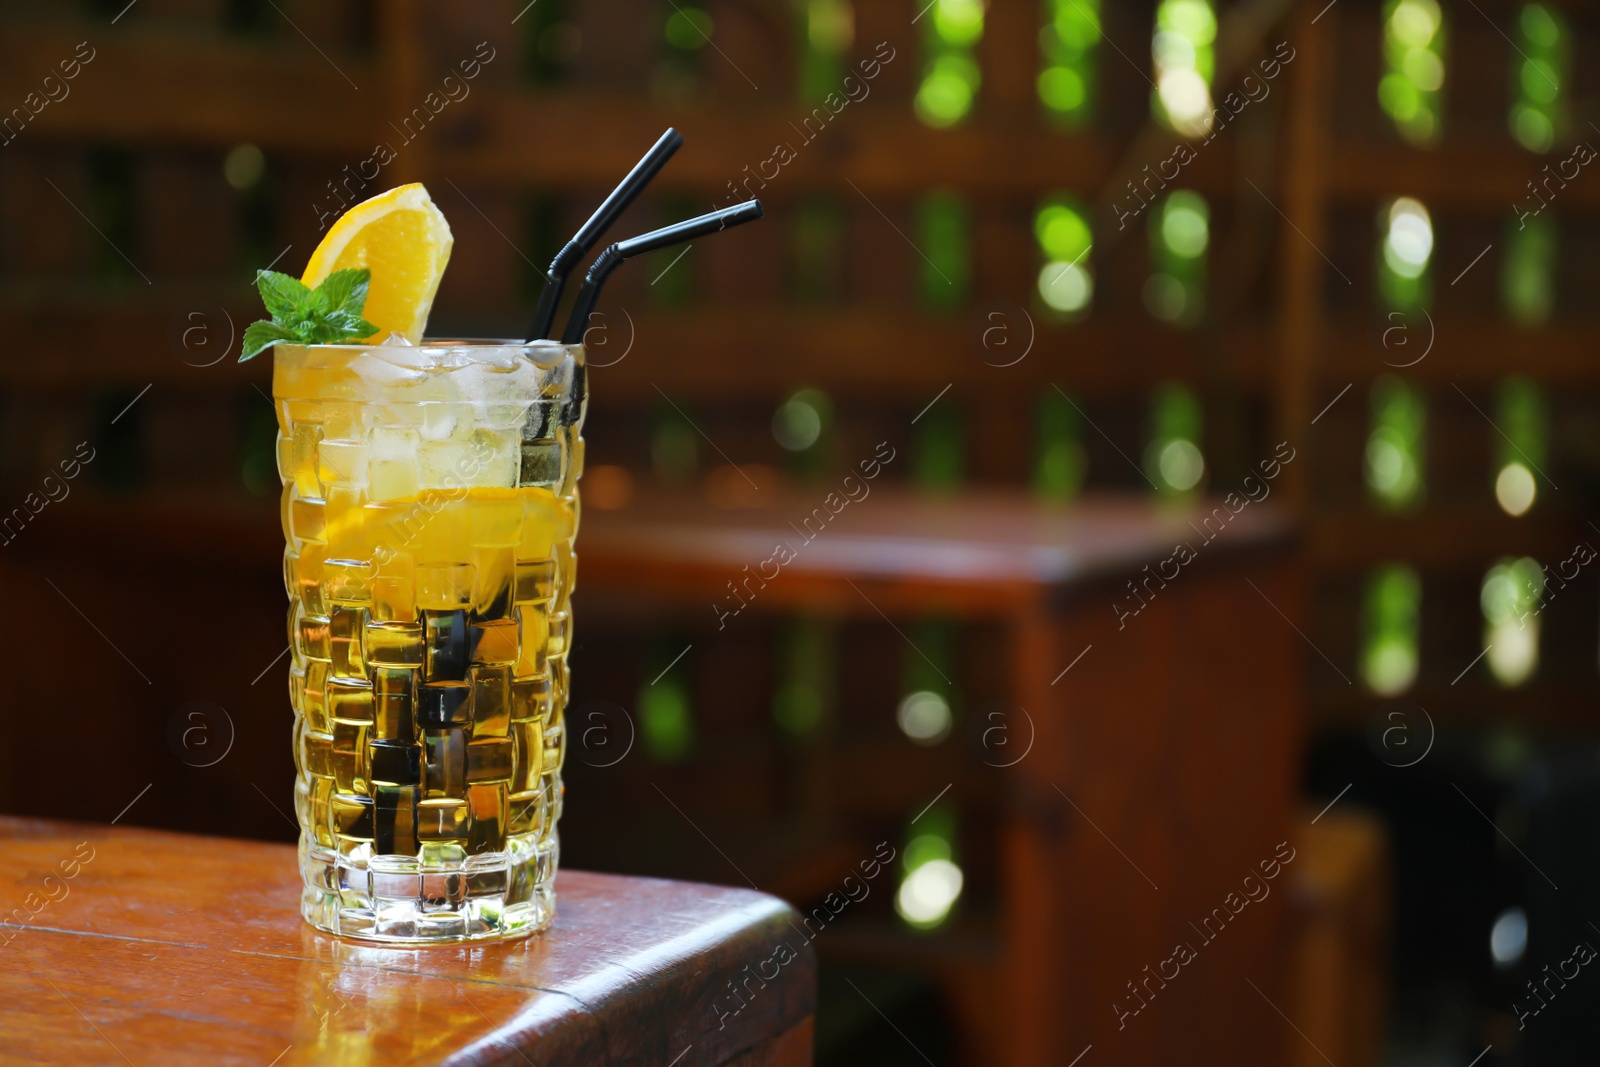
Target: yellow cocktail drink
{"x":429,"y":506}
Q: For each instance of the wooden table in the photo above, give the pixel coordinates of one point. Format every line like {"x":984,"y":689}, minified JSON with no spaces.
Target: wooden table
{"x":977,"y":553}
{"x":1154,"y":736}
{"x":125,"y":946}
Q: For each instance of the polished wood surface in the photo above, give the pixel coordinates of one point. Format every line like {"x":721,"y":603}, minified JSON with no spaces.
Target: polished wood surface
{"x":133,"y":946}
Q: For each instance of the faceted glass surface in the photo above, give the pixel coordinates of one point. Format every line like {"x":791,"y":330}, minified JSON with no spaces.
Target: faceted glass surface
{"x":429,"y":507}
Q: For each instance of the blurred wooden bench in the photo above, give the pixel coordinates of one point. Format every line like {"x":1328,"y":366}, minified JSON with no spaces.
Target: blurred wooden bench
{"x":132,"y":946}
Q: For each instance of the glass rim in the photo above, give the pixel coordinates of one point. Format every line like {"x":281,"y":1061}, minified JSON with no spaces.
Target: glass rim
{"x":439,"y":342}
{"x":450,"y":350}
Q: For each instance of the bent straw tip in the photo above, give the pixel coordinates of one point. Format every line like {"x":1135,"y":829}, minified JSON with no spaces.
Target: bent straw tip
{"x":736,"y":215}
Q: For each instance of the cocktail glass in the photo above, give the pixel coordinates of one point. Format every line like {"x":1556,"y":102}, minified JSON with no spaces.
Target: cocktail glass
{"x":429,"y":505}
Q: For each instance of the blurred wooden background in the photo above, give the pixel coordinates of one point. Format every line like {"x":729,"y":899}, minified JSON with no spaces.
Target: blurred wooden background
{"x":898,"y":272}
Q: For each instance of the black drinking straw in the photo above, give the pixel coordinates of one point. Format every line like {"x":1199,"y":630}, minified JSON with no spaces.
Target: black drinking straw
{"x":555,"y":279}
{"x":612,"y":257}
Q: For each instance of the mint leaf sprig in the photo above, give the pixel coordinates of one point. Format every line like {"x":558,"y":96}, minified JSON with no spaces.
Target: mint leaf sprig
{"x":326,"y":315}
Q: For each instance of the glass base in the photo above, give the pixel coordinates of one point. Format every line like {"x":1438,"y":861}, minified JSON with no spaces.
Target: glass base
{"x":412,"y":901}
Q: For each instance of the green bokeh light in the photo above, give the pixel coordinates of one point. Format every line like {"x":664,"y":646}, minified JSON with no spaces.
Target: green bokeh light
{"x":1391,"y":626}
{"x":689,"y":28}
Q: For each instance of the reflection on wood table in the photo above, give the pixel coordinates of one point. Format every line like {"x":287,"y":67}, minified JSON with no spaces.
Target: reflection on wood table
{"x":131,"y":946}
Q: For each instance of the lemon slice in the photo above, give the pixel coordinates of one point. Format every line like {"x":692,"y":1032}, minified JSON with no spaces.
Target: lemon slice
{"x":403,"y":239}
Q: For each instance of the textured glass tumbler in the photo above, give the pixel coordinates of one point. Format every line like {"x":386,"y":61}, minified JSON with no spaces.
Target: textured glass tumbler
{"x":429,"y":505}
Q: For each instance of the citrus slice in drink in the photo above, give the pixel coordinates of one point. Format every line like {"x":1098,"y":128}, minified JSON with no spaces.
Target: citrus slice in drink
{"x":403,"y":239}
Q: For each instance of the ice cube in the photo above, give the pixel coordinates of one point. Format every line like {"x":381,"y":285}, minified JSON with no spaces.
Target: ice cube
{"x":445,"y":464}
{"x":389,"y":366}
{"x":475,"y":380}
{"x":501,"y":416}
{"x":411,"y":357}
{"x":498,"y":458}
{"x":547,"y":353}
{"x":392,"y":458}
{"x":502,"y":358}
{"x":443,"y":421}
